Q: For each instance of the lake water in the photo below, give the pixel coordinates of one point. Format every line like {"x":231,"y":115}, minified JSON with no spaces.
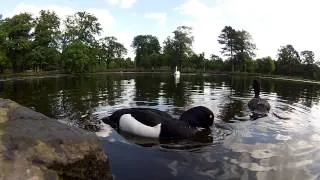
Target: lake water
{"x":283,"y":145}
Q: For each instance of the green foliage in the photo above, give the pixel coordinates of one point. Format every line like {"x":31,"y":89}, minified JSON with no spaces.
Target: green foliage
{"x":4,"y":61}
{"x":288,"y":60}
{"x":144,"y":46}
{"x":215,"y":63}
{"x":307,"y":57}
{"x":290,"y":63}
{"x":16,"y":31}
{"x":82,"y":26}
{"x":180,"y":46}
{"x":237,"y":45}
{"x":251,"y":65}
{"x":110,"y":49}
{"x":244,"y":48}
{"x":41,"y":44}
{"x":121,"y":64}
{"x":77,"y":57}
{"x":266,"y":65}
{"x":77,"y":41}
{"x":227,"y":39}
{"x":81,"y":51}
{"x":44,"y":52}
{"x":288,"y":55}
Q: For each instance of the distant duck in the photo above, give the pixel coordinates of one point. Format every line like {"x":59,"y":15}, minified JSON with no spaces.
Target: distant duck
{"x":152,"y":123}
{"x":259,"y":107}
{"x":176,"y":72}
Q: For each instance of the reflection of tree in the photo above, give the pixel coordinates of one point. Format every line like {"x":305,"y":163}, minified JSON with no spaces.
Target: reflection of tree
{"x":293,"y":92}
{"x":76,"y":97}
{"x":176,"y":92}
{"x":229,"y":110}
{"x":310,"y":95}
{"x":267,"y":85}
{"x":147,"y":88}
{"x":215,"y":80}
{"x":290,"y":91}
{"x":196,"y":84}
{"x":240,"y":84}
{"x":181,"y":93}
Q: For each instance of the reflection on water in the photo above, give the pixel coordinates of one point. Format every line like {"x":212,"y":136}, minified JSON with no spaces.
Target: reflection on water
{"x":283,"y":145}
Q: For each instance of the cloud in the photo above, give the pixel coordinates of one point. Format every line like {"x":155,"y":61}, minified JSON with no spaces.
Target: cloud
{"x":271,"y":23}
{"x":159,"y":17}
{"x":121,"y":3}
{"x":106,"y":20}
{"x":33,"y":9}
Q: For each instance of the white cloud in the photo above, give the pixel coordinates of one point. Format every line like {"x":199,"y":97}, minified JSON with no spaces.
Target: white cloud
{"x":271,"y":23}
{"x":106,"y":20}
{"x":33,"y":9}
{"x":159,"y":17}
{"x":121,"y":3}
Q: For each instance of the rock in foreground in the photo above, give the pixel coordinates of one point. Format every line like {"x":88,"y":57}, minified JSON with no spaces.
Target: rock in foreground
{"x":33,"y":146}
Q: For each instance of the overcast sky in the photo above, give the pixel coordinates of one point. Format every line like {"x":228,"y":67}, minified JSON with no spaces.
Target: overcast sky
{"x":272,"y":23}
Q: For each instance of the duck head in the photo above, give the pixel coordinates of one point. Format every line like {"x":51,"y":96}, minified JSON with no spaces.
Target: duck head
{"x":114,"y":119}
{"x":198,"y":117}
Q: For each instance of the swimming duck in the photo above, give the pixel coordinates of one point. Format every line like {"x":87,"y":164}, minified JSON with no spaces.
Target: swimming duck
{"x":176,"y":73}
{"x":259,"y":107}
{"x":152,"y":123}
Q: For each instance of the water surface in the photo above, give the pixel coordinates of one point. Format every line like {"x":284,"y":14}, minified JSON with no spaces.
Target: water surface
{"x":284,"y":145}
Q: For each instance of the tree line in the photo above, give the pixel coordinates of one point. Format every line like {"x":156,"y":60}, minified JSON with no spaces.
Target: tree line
{"x":49,"y":43}
{"x":74,"y":44}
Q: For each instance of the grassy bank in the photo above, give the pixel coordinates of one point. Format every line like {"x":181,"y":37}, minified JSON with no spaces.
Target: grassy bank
{"x":163,"y":70}
{"x":30,"y":73}
{"x":273,"y":76}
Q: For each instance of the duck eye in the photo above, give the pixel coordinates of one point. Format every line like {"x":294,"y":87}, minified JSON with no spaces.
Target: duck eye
{"x":210,"y":116}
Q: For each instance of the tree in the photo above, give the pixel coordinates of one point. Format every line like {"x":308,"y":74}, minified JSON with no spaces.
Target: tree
{"x":288,"y":61}
{"x":288,"y":55}
{"x":82,"y":26}
{"x":45,"y":44}
{"x":77,"y":57}
{"x":195,"y":61}
{"x":244,"y":47}
{"x":179,"y":47}
{"x":3,"y":57}
{"x":4,"y":62}
{"x":169,"y":48}
{"x":111,"y":49}
{"x":79,"y":46}
{"x":145,"y":45}
{"x":265,"y":65}
{"x":214,"y":57}
{"x":307,"y":57}
{"x":215,"y":63}
{"x":183,"y":40}
{"x":16,"y":31}
{"x":227,"y":38}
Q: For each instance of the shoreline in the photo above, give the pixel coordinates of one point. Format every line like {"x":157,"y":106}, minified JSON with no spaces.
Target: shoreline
{"x":48,"y":74}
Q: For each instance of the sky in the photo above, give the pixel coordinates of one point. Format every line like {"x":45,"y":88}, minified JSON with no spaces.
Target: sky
{"x":271,"y":23}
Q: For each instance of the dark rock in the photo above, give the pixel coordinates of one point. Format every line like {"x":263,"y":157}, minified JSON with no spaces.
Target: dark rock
{"x":33,"y":146}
